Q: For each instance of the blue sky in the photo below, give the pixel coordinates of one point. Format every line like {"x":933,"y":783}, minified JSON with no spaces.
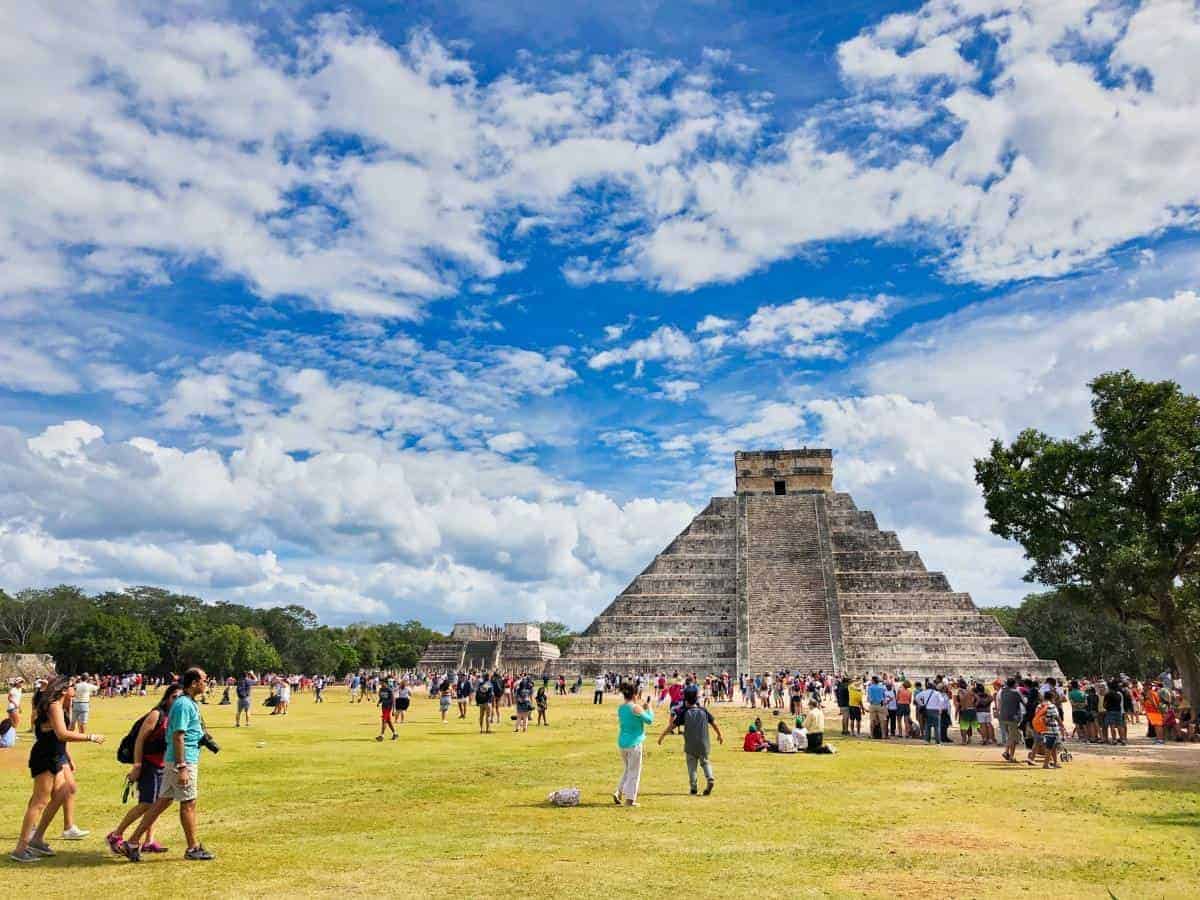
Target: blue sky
{"x":458,"y":311}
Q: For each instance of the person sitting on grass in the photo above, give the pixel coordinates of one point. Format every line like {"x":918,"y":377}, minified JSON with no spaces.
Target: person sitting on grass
{"x":784,"y":741}
{"x":814,"y":727}
{"x":754,"y":742}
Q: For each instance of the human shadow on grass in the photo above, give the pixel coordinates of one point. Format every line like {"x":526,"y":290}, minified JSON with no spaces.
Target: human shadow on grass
{"x":70,"y":859}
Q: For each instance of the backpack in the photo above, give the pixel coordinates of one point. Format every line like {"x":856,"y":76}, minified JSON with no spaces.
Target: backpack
{"x":125,"y":748}
{"x":484,"y":693}
{"x":1039,"y":719}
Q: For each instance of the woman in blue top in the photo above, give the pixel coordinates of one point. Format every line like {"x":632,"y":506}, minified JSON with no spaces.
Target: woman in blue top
{"x":633,"y":720}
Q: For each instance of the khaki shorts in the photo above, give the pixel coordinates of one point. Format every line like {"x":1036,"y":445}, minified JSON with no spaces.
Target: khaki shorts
{"x":176,"y":791}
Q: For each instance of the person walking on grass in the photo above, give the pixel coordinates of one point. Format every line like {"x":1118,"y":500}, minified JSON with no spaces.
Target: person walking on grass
{"x":1010,"y":707}
{"x":543,"y":701}
{"x":524,"y":699}
{"x":386,"y":704}
{"x":147,"y":770}
{"x":483,"y":700}
{"x":695,"y":720}
{"x":444,"y":697}
{"x":50,"y":765}
{"x":632,"y":719}
{"x":598,"y":693}
{"x":462,"y":693}
{"x":1047,"y":726}
{"x":14,"y":701}
{"x":403,"y":700}
{"x":182,"y":770}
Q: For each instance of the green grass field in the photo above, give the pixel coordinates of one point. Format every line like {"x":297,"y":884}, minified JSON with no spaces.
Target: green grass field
{"x":322,"y":809}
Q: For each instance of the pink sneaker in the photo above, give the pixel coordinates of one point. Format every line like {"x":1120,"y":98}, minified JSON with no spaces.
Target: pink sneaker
{"x":114,"y":842}
{"x":153,"y":847}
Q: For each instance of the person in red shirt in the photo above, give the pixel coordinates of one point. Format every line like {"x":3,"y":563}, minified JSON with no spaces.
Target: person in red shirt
{"x":754,"y":741}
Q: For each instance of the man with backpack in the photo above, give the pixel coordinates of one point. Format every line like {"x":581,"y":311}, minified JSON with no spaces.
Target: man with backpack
{"x":695,"y":721}
{"x":1047,"y":732}
{"x":1011,"y":709}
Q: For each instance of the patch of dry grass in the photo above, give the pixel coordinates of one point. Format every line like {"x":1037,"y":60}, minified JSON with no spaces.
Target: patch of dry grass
{"x":322,"y":809}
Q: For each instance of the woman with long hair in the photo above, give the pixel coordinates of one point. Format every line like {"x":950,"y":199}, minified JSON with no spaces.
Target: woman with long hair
{"x":51,"y":767}
{"x":147,"y":770}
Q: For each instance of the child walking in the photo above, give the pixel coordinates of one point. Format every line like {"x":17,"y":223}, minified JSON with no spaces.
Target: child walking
{"x":695,"y":721}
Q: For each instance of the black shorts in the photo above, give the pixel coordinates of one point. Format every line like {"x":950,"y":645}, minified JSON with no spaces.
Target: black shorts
{"x":1081,"y":717}
{"x":39,"y":763}
{"x":856,"y":714}
{"x":149,"y":783}
{"x":402,"y":703}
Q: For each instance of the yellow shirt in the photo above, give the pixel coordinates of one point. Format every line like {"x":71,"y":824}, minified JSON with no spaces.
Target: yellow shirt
{"x":814,"y":721}
{"x":856,"y":696}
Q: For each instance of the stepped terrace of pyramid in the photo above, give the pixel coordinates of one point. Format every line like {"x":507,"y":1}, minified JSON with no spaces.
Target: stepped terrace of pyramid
{"x":790,"y":574}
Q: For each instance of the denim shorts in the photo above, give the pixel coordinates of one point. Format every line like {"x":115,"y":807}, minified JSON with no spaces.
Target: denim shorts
{"x":1050,"y":740}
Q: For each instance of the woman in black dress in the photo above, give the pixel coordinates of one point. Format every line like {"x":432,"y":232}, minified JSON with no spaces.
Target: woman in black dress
{"x":49,"y":764}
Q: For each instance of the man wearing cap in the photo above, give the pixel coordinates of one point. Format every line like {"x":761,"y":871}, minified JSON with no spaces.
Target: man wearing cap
{"x":695,"y":721}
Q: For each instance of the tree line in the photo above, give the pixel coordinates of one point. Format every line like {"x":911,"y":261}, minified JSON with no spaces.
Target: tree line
{"x":155,"y":631}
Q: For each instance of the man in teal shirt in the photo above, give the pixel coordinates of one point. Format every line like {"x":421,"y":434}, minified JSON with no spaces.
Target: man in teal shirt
{"x":182,"y":773}
{"x":633,"y":720}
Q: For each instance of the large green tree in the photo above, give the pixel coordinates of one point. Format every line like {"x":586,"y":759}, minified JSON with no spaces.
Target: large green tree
{"x":32,"y":620}
{"x":1112,"y":517}
{"x":104,"y":642}
{"x":1084,"y":639}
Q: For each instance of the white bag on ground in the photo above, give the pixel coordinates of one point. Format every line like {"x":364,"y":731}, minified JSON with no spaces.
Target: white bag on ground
{"x":564,"y":797}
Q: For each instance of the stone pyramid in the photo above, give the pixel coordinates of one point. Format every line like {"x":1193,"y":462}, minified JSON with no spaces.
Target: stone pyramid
{"x":789,"y":574}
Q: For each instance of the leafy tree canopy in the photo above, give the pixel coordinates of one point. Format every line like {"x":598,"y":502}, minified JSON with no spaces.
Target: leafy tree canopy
{"x":1111,"y":518}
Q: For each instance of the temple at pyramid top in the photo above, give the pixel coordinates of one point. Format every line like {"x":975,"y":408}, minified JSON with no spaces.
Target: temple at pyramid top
{"x":783,"y":471}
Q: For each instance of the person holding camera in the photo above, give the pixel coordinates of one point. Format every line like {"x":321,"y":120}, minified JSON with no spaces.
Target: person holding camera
{"x":185,"y":736}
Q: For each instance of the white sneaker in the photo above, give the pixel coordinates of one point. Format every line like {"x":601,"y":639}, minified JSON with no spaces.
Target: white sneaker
{"x":75,"y":833}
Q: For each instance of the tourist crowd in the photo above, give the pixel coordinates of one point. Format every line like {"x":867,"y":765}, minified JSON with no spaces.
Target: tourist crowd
{"x":1033,"y":718}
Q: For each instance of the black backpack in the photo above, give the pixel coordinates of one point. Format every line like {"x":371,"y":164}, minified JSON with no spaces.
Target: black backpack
{"x":484,"y":693}
{"x":125,"y":748}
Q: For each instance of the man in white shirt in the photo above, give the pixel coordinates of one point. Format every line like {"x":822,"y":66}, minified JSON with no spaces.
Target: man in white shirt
{"x":14,"y":701}
{"x":81,"y":706}
{"x":598,"y":694}
{"x":934,"y":702}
